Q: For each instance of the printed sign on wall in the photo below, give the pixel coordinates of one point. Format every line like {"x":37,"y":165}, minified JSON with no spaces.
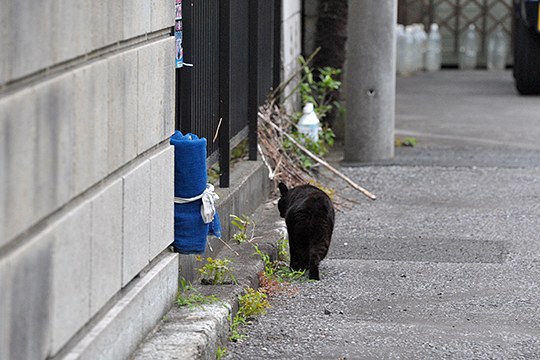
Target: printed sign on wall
{"x":178,"y":35}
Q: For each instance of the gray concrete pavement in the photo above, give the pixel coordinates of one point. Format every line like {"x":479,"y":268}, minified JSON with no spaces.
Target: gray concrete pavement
{"x":445,"y":264}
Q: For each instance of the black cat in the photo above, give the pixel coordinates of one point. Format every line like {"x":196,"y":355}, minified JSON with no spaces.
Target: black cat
{"x":309,"y":215}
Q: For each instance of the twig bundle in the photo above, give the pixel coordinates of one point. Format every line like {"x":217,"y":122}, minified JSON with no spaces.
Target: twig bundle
{"x":285,"y":166}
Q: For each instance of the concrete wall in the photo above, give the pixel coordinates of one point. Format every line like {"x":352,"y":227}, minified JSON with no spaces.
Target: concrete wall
{"x":291,"y":47}
{"x":311,"y":15}
{"x":86,"y":173}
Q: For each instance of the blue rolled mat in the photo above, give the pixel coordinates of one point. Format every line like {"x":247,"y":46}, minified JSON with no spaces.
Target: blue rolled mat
{"x":190,"y":179}
{"x":189,"y":164}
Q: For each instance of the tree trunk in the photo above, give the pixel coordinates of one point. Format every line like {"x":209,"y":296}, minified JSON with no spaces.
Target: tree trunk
{"x":331,"y":33}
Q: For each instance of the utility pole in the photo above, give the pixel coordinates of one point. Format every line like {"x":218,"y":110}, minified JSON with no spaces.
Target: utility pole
{"x":370,"y":81}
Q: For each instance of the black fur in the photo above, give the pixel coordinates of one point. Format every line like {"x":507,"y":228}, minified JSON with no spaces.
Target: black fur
{"x":309,"y":215}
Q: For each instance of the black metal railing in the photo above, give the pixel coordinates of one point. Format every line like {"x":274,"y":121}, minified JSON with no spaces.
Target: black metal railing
{"x":234,"y":46}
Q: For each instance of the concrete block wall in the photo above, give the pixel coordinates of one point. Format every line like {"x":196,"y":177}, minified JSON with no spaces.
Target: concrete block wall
{"x":86,"y":173}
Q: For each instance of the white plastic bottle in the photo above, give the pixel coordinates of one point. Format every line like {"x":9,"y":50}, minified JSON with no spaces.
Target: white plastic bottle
{"x":409,"y":43}
{"x":421,"y":37}
{"x":416,"y":52}
{"x":309,"y":123}
{"x":434,"y":49}
{"x":468,"y":49}
{"x":497,"y":50}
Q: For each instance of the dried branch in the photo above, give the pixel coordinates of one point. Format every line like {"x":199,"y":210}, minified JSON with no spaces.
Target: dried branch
{"x":270,"y":134}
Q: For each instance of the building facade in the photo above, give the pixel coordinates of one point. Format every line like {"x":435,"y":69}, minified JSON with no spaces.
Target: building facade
{"x":86,"y":189}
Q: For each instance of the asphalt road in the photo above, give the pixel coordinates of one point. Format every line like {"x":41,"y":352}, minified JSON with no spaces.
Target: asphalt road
{"x":445,"y":264}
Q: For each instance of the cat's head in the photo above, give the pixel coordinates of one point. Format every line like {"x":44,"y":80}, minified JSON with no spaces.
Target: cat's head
{"x":282,"y":203}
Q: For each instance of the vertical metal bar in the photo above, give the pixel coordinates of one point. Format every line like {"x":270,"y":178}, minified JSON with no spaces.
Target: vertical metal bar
{"x":185,"y":74}
{"x":253,"y":72}
{"x":224,"y":91}
{"x":277,"y":44}
{"x":177,"y":97}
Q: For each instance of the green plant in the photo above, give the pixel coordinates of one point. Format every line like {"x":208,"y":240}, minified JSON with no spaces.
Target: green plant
{"x":191,"y":297}
{"x":319,"y":88}
{"x":217,"y":272}
{"x":253,"y":303}
{"x":220,"y":352}
{"x":240,"y":151}
{"x":241,"y":223}
{"x":283,"y":249}
{"x":279,"y":269}
{"x":213,"y":174}
{"x":319,"y":148}
{"x":236,"y":323}
{"x":285,"y":273}
{"x":407,"y":141}
{"x":268,"y":264}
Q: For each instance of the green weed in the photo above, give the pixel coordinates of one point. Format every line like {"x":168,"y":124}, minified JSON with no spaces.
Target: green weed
{"x":279,"y":269}
{"x":216,"y":272}
{"x":242,"y":223}
{"x":407,"y":141}
{"x":250,"y":305}
{"x":191,"y":297}
{"x":268,"y":264}
{"x":236,"y":324}
{"x":283,"y":249}
{"x":220,"y":352}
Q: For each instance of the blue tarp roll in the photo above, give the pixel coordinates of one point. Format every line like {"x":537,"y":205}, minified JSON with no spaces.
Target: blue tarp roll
{"x":190,"y":179}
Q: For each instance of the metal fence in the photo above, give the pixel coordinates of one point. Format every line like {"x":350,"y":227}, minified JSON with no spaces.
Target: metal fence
{"x":234,"y":46}
{"x":454,"y":17}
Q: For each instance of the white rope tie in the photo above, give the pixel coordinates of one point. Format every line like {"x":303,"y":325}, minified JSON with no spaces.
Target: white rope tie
{"x":208,"y":207}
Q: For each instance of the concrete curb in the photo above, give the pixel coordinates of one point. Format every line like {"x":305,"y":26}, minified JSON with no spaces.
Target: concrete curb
{"x":197,"y":333}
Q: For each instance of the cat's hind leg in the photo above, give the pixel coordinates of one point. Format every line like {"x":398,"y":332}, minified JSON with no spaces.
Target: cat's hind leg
{"x":314,"y":262}
{"x":317,"y":253}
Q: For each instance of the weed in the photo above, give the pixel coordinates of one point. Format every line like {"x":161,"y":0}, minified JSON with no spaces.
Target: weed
{"x":252,"y":304}
{"x":217,"y":272}
{"x":320,"y":89}
{"x":285,"y":273}
{"x":191,"y":297}
{"x":279,"y":269}
{"x":283,"y":249}
{"x":220,"y":352}
{"x":319,"y":148}
{"x":236,"y":335}
{"x":242,"y":223}
{"x":408,"y":141}
{"x":268,"y":264}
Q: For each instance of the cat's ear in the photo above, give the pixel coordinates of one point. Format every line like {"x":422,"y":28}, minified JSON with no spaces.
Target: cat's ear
{"x":283,"y":189}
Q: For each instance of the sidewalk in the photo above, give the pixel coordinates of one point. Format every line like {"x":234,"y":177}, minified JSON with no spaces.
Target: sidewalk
{"x":445,"y":263}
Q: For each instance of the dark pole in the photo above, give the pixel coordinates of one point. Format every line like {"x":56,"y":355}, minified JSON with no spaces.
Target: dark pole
{"x":184,"y":75}
{"x":277,"y":44}
{"x":253,"y":72}
{"x":224,"y":91}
